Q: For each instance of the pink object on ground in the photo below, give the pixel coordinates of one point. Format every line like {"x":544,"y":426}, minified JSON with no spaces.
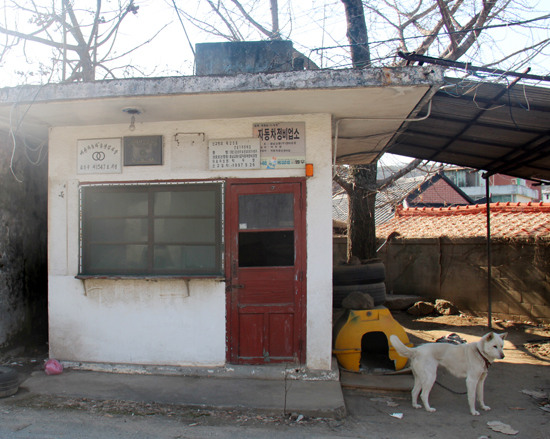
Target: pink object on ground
{"x":53,"y":367}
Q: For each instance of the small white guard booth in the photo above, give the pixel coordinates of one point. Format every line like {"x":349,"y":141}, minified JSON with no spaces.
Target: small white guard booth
{"x":190,"y":218}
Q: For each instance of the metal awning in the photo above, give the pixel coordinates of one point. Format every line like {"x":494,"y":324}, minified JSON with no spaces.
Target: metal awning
{"x":497,"y":128}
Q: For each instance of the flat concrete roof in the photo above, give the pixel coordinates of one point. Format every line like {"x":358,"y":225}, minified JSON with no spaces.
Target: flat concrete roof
{"x":378,"y":99}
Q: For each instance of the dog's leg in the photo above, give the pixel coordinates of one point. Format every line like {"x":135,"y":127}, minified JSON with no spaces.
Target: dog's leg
{"x":427,"y":385}
{"x":471,"y":385}
{"x":479,"y":392}
{"x":416,"y":391}
{"x":425,"y":373}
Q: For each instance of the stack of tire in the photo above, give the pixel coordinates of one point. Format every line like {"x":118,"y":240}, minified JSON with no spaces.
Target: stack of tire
{"x":365,"y":278}
{"x":9,"y":381}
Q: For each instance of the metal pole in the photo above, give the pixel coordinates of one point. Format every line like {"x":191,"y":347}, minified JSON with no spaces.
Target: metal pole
{"x":489,"y":276}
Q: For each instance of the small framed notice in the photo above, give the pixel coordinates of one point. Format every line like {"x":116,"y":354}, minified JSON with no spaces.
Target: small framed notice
{"x":142,"y":150}
{"x":234,"y":154}
{"x":99,"y":156}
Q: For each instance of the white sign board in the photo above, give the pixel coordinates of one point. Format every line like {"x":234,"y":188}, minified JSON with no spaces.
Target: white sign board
{"x":234,"y":154}
{"x":99,"y":156}
{"x":283,"y":144}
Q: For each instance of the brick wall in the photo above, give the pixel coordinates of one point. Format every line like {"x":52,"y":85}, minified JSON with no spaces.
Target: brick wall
{"x":438,"y":268}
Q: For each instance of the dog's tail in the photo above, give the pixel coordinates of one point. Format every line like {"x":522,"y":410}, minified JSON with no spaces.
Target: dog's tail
{"x":401,"y":349}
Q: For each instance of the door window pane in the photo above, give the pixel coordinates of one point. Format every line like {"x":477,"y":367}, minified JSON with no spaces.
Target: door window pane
{"x":266,"y":249}
{"x":266,"y":211}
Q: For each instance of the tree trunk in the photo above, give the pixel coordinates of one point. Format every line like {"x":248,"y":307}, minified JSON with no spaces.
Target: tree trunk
{"x":361,"y":224}
{"x":357,"y":33}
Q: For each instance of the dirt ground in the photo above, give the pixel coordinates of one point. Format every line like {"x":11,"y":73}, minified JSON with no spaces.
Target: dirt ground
{"x":525,"y":368}
{"x":529,"y":339}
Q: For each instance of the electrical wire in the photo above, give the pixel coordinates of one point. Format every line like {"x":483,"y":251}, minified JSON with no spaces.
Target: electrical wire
{"x":415,"y":37}
{"x":183,"y":26}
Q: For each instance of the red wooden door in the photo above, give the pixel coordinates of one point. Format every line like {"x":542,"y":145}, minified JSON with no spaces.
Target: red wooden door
{"x":265,"y":285}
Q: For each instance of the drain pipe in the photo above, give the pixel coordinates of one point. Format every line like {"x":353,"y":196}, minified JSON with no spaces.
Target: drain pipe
{"x":489,"y":274}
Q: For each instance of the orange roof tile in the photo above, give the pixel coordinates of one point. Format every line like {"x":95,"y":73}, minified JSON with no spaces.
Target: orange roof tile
{"x":508,"y":221}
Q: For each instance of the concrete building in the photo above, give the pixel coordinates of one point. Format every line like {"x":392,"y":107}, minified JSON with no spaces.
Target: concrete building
{"x":504,"y":188}
{"x":190,"y":219}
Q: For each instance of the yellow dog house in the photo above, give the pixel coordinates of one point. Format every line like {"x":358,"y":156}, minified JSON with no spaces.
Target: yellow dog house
{"x":354,"y":324}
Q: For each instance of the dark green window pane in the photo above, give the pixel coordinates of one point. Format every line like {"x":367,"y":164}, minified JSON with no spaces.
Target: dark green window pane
{"x":266,"y":249}
{"x":129,"y":257}
{"x":185,"y":230}
{"x":110,"y":204}
{"x":182,"y":257}
{"x":199,"y":203}
{"x":266,"y":211}
{"x":119,"y":230}
{"x":152,"y":229}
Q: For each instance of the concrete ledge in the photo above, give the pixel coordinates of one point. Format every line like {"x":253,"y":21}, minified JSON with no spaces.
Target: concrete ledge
{"x":264,"y":372}
{"x":310,"y":398}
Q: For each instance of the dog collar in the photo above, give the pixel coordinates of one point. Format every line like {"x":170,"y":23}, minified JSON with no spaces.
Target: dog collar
{"x":487,"y":362}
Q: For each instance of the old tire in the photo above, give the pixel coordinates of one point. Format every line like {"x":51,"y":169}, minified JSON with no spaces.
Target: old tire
{"x":358,"y":274}
{"x":377,"y":292}
{"x":9,"y":381}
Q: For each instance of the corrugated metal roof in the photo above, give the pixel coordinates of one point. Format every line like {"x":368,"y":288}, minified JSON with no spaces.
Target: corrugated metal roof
{"x":484,"y":126}
{"x":519,"y":221}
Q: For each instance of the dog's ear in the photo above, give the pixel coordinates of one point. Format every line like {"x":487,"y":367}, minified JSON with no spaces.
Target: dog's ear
{"x":489,"y":336}
{"x":503,"y":335}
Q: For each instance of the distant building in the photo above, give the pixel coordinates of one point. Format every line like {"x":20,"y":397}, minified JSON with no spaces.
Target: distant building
{"x":503,"y":187}
{"x":420,"y":191}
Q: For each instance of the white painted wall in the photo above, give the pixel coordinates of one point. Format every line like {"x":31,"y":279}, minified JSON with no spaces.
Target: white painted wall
{"x":169,"y":322}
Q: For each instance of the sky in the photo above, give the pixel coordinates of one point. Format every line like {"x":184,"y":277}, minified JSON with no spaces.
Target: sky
{"x":313,"y":24}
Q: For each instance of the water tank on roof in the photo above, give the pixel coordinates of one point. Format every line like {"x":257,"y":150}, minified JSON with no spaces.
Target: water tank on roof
{"x":231,"y":58}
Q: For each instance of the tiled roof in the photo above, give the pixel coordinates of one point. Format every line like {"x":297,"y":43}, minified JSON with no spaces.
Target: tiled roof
{"x":508,"y":221}
{"x":438,"y":190}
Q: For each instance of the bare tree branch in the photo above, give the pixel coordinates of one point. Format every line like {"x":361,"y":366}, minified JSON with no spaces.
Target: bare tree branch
{"x":36,"y":39}
{"x":543,"y":43}
{"x":345,"y":185}
{"x":446,"y":15}
{"x":232,"y":29}
{"x":275,"y":20}
{"x":474,"y":34}
{"x":252,"y":21}
{"x":387,"y":181}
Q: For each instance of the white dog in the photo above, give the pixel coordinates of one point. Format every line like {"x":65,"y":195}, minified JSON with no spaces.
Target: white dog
{"x":470,"y":361}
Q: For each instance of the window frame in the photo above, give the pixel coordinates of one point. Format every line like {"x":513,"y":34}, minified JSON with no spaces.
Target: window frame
{"x":151,"y":188}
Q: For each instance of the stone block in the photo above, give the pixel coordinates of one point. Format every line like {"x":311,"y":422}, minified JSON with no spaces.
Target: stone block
{"x":536,"y":297}
{"x":541,"y":311}
{"x":446,"y":308}
{"x":500,"y":307}
{"x":518,"y":308}
{"x":401,"y":301}
{"x":421,"y":309}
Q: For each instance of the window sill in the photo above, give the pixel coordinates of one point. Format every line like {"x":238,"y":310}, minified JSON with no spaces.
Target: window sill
{"x":154,"y":277}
